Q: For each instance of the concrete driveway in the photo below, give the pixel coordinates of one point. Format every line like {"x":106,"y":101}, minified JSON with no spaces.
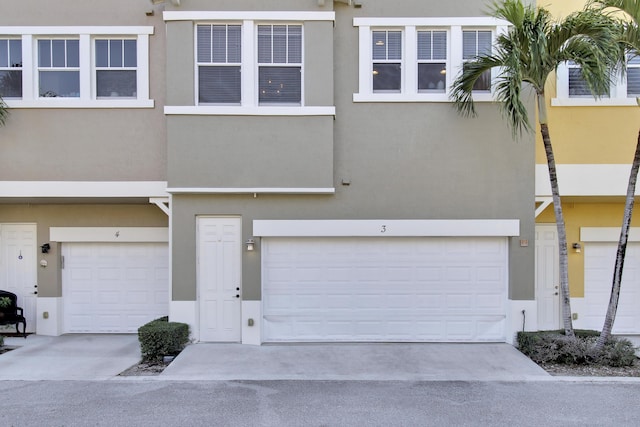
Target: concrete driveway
{"x":100,"y":357}
{"x":373,"y":362}
{"x":68,"y":357}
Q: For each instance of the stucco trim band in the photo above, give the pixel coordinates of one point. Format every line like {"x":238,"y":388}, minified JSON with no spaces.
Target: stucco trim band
{"x":386,"y":228}
{"x":243,"y":190}
{"x":110,"y":234}
{"x":585,"y":180}
{"x":607,"y":234}
{"x":83,"y":189}
{"x":248,"y":15}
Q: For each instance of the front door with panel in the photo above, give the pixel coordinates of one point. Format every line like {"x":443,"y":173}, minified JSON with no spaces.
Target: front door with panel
{"x":219,"y":278}
{"x":547,"y":277}
{"x":18,"y":261}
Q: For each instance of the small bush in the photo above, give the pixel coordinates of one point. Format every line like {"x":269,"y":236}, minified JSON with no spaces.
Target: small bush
{"x":160,"y":338}
{"x":555,"y":347}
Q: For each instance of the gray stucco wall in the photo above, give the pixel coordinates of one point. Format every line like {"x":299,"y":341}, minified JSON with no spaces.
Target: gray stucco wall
{"x":403,"y":160}
{"x":87,"y":144}
{"x":84,"y":215}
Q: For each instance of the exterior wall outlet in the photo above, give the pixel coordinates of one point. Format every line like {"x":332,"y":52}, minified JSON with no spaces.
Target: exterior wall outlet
{"x":574,"y":316}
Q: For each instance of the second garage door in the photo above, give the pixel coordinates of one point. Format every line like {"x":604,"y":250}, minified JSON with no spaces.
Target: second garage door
{"x":384,"y":289}
{"x":114,"y":287}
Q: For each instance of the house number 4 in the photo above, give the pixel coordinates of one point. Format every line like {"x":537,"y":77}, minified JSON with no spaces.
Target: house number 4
{"x":383,"y":229}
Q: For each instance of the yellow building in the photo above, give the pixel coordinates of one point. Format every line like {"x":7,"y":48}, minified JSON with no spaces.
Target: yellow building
{"x":594,"y":143}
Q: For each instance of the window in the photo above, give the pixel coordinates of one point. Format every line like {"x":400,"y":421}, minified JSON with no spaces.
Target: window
{"x":633,"y":75}
{"x":572,"y":90}
{"x":279,"y":64}
{"x":432,"y":61}
{"x":249,"y":64}
{"x":116,"y":65}
{"x":58,"y":68}
{"x":75,"y":67}
{"x":386,"y":53}
{"x":417,"y":59}
{"x":219,"y":60}
{"x":11,"y":68}
{"x":476,"y":43}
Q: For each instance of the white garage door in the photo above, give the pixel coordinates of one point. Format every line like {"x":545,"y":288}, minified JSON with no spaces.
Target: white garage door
{"x":384,"y":289}
{"x":599,"y":261}
{"x":114,"y":287}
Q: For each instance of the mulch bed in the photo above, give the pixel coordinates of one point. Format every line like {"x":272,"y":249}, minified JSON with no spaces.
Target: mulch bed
{"x":591,"y":370}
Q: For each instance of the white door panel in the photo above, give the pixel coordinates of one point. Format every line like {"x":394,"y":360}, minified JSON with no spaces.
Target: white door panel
{"x":18,"y":259}
{"x":114,"y":287}
{"x":547,"y":277}
{"x":599,"y":261}
{"x":219,"y":278}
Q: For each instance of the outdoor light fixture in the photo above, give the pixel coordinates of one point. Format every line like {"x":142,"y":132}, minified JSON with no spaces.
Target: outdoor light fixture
{"x":577,"y":247}
{"x":45,"y":248}
{"x":251,"y":245}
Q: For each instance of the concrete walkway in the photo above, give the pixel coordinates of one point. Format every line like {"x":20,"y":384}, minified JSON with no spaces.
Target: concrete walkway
{"x":68,"y":357}
{"x":379,"y":362}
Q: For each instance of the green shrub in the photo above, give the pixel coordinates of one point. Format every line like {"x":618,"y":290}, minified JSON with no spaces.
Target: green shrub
{"x":555,"y":347}
{"x":160,"y":338}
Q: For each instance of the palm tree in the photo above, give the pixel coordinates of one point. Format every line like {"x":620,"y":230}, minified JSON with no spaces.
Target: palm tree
{"x":628,"y":13}
{"x":4,"y":112}
{"x":526,"y":55}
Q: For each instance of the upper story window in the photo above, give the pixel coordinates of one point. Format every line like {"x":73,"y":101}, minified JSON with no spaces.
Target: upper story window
{"x":279,"y":64}
{"x":75,"y":67}
{"x":219,"y":62}
{"x":10,"y":68}
{"x":572,"y":90}
{"x":417,"y":59}
{"x":432,"y":61}
{"x":386,"y":53}
{"x":474,"y":43}
{"x":273,"y":75}
{"x":116,"y":68}
{"x":58,"y":68}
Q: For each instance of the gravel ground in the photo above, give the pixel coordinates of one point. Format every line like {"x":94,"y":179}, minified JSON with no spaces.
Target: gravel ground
{"x":591,"y":370}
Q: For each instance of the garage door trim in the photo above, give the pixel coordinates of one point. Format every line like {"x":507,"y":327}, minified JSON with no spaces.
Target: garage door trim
{"x":387,"y":228}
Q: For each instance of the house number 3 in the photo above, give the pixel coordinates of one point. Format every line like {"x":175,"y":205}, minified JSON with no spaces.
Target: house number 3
{"x":383,"y":229}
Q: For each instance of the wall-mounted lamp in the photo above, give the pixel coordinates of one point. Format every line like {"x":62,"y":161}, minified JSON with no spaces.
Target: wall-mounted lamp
{"x":577,"y":247}
{"x":250,"y":245}
{"x":45,"y":248}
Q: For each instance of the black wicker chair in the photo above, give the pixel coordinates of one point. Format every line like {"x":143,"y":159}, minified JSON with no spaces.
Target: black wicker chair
{"x":12,"y":314}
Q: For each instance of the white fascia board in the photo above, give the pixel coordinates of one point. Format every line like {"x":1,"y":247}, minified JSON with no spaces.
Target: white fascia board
{"x":607,"y":234}
{"x":109,"y":234}
{"x":71,"y":30}
{"x":592,"y":102}
{"x":585,"y":180}
{"x":190,"y":110}
{"x":248,"y":15}
{"x":106,"y":189}
{"x":430,"y":22}
{"x":386,"y":228}
{"x":251,"y":190}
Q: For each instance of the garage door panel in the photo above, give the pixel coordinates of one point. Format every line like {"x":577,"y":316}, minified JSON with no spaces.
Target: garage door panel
{"x":384,"y":289}
{"x":599,"y":263}
{"x":113,"y":287}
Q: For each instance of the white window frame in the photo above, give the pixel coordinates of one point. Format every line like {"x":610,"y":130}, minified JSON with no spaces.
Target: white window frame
{"x":410,"y":27}
{"x":95,"y":68}
{"x":49,"y":68}
{"x":9,"y":67}
{"x":401,"y":61}
{"x":617,"y":93}
{"x":434,"y":61}
{"x":86,"y":36}
{"x":249,"y":67}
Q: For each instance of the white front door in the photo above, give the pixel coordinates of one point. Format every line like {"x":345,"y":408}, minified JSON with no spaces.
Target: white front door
{"x":547,"y":277}
{"x":19,"y":267}
{"x":219,"y":278}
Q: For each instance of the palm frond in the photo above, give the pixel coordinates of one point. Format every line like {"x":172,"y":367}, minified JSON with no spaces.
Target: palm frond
{"x":4,"y":112}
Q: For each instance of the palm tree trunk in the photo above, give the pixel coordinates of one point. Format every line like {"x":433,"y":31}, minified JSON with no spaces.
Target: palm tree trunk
{"x":622,"y":249}
{"x":557,"y":208}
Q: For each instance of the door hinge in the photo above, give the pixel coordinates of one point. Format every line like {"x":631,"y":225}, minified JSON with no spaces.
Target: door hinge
{"x":62,"y":262}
